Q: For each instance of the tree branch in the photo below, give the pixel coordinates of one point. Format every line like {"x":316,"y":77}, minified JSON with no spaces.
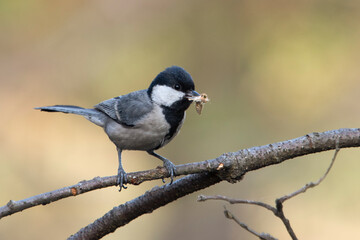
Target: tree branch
{"x":229,"y":166}
{"x":146,"y":203}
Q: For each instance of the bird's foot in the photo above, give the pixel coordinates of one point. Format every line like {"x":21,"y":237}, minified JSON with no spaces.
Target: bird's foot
{"x":121,"y":179}
{"x":171,"y":169}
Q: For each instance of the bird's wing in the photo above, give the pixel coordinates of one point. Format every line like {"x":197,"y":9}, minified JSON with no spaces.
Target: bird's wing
{"x":127,"y":109}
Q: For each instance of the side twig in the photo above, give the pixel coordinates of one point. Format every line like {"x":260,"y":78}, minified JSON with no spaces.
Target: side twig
{"x":262,"y":236}
{"x":278,"y":210}
{"x":312,"y":184}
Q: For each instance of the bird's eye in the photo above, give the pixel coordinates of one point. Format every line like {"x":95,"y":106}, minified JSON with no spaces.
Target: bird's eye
{"x":177,"y":87}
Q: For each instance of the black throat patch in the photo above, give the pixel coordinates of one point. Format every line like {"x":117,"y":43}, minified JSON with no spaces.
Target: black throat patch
{"x":174,"y":118}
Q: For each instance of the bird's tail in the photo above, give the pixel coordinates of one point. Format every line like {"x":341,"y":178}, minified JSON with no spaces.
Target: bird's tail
{"x":65,"y":109}
{"x":91,"y":114}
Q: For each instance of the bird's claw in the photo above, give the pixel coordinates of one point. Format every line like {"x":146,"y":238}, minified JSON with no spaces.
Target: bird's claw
{"x":171,"y":169}
{"x":121,"y":179}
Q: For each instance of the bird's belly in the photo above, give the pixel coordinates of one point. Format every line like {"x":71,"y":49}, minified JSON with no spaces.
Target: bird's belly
{"x":148,"y":135}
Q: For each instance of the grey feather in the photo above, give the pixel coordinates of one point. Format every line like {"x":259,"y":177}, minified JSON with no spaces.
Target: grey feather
{"x":127,"y":109}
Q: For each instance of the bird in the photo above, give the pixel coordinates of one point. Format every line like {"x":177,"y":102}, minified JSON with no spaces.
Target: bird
{"x":143,"y":120}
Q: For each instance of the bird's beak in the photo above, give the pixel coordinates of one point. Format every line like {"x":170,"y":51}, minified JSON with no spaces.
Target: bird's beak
{"x":192,"y":95}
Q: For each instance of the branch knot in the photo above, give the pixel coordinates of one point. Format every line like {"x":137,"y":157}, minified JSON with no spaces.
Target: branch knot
{"x":229,"y":168}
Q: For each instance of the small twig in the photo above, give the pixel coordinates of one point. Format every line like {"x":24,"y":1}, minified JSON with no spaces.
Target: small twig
{"x":312,"y":184}
{"x":203,"y":198}
{"x":262,"y":236}
{"x":229,"y":215}
{"x":279,"y":202}
{"x":278,"y":211}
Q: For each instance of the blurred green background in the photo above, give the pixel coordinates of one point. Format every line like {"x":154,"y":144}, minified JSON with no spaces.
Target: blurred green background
{"x":274,"y":70}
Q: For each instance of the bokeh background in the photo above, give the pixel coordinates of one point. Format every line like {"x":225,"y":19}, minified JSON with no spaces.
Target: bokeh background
{"x":274,"y":70}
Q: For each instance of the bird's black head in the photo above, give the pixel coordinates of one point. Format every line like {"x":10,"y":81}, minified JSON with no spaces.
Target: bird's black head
{"x":172,"y":88}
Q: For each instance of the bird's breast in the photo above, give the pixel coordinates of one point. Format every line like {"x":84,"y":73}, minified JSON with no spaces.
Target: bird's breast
{"x":148,"y":133}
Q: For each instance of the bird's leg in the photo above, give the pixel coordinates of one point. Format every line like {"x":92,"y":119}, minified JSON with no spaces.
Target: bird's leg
{"x":121,"y":177}
{"x":167,"y":164}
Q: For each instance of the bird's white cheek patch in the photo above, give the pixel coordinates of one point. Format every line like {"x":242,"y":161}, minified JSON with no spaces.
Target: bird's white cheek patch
{"x":164,"y":95}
